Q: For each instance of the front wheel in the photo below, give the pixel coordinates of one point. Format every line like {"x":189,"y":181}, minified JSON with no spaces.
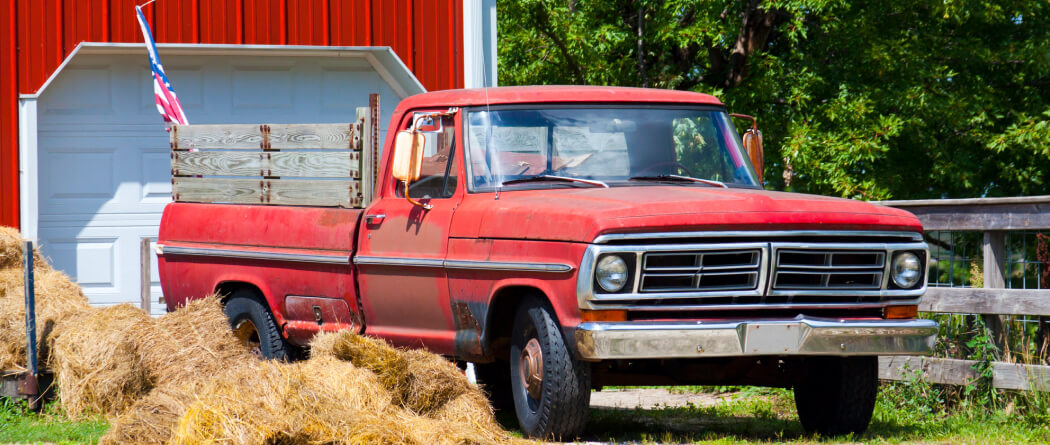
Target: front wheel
{"x":551,"y":388}
{"x":836,"y":395}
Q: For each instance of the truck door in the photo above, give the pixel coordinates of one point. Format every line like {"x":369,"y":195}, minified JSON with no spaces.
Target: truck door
{"x":402,"y":246}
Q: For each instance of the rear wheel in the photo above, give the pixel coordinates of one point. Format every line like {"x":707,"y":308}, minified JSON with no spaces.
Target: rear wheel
{"x":551,"y":388}
{"x":836,"y":395}
{"x":254,"y":326}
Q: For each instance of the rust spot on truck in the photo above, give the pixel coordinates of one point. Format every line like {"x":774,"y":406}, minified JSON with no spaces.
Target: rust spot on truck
{"x":468,"y":330}
{"x":331,"y":218}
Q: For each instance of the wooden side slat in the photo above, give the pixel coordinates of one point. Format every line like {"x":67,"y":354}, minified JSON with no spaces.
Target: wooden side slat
{"x":986,"y":301}
{"x":310,"y":136}
{"x":266,"y":136}
{"x":961,"y":372}
{"x":224,"y":136}
{"x":337,"y":193}
{"x":283,"y":164}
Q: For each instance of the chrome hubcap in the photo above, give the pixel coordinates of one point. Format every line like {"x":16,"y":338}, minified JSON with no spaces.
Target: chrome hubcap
{"x":531,"y":366}
{"x":248,"y":334}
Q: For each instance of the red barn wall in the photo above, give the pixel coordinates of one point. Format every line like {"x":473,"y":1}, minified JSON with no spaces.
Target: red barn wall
{"x":37,"y":35}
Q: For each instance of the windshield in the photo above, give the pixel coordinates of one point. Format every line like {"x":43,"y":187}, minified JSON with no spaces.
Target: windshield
{"x":617,"y":146}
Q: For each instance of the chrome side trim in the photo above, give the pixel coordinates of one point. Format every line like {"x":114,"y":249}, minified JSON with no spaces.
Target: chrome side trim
{"x":757,"y":234}
{"x":800,"y":336}
{"x":500,"y":265}
{"x":253,"y":254}
{"x":392,"y":261}
{"x":464,"y":264}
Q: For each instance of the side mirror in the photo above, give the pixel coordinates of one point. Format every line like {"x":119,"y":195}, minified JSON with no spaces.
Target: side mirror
{"x":408,"y":160}
{"x":753,"y":145}
{"x":408,"y":155}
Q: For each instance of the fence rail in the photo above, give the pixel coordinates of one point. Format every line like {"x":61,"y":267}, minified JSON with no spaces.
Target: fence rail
{"x":993,"y":217}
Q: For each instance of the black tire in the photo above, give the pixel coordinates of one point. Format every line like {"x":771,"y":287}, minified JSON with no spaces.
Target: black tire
{"x":560,"y":410}
{"x":242,"y":308}
{"x":836,"y":395}
{"x":494,"y":378}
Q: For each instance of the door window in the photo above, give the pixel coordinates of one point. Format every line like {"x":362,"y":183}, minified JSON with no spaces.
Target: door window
{"x":437,"y":178}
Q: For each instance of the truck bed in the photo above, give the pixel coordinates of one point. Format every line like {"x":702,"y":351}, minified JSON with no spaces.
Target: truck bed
{"x":298,"y":258}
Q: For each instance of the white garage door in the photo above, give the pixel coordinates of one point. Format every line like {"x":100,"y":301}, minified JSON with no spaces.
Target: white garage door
{"x":104,"y":173}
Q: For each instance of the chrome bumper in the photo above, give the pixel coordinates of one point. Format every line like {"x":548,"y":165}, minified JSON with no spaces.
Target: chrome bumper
{"x":801,"y":336}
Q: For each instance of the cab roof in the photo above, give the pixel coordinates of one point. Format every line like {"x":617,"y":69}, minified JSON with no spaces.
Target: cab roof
{"x":552,"y":94}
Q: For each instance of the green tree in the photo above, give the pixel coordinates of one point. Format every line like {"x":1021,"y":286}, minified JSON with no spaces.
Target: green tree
{"x":864,"y":99}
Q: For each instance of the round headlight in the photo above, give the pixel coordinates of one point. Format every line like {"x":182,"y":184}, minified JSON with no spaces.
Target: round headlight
{"x":907,"y":270}
{"x":611,"y":273}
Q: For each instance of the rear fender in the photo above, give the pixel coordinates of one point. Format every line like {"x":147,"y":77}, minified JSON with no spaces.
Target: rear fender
{"x":235,"y":281}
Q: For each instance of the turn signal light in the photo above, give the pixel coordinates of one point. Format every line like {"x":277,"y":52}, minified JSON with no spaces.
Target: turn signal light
{"x":603,"y":315}
{"x":896,"y":312}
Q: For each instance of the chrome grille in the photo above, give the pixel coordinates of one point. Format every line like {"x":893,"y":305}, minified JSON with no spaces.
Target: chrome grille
{"x":820,"y":269}
{"x":685,"y":271}
{"x":823,"y":271}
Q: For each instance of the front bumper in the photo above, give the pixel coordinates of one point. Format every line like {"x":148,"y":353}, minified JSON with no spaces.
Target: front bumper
{"x":801,"y":336}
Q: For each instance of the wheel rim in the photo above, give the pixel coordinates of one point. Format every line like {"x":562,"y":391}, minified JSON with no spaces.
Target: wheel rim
{"x":530,"y":365}
{"x":248,"y":334}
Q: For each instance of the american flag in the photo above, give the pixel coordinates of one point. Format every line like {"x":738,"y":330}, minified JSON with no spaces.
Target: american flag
{"x":167,"y":104}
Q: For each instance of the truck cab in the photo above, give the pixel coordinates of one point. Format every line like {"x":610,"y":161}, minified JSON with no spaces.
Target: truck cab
{"x":564,"y":239}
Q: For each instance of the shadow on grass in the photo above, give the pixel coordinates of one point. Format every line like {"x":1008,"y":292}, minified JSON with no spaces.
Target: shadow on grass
{"x":766,"y":419}
{"x":688,"y":424}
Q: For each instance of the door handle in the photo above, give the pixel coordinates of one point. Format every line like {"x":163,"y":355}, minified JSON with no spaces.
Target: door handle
{"x":374,"y":219}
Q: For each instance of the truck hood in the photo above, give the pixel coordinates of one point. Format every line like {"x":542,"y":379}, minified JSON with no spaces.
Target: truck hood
{"x":582,"y":214}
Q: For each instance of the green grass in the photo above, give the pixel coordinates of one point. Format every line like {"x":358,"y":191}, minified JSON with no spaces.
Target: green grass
{"x":51,"y":426}
{"x":760,"y":415}
{"x":749,"y":415}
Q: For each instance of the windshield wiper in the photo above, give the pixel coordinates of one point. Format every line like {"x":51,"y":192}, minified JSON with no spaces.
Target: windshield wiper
{"x":710,"y":182}
{"x":539,"y":178}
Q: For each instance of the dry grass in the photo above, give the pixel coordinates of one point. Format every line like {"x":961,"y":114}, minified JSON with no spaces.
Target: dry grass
{"x":184,"y":378}
{"x":96,"y":362}
{"x":12,"y":248}
{"x":153,"y":418}
{"x":57,"y":298}
{"x":192,"y":343}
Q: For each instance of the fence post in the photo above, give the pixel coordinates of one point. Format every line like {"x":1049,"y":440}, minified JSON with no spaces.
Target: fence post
{"x":29,"y":385}
{"x":995,"y":278}
{"x":144,"y":277}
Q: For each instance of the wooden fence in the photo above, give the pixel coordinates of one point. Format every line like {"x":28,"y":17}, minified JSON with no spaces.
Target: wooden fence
{"x":994,"y":217}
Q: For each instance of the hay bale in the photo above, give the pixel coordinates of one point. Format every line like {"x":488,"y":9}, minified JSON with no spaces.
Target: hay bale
{"x":12,"y":247}
{"x":387,"y":362}
{"x":432,"y":381}
{"x":190,"y":344}
{"x":153,"y":418}
{"x":57,"y":298}
{"x":244,"y":406}
{"x":96,"y":363}
{"x":316,"y":401}
{"x":419,"y":381}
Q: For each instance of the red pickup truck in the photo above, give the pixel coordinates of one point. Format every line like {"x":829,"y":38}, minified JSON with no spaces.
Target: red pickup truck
{"x":564,"y":239}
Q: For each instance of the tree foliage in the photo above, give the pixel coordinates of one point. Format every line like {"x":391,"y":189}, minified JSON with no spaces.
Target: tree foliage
{"x":865,"y":99}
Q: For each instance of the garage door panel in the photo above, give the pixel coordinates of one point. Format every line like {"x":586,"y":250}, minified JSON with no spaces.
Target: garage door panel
{"x":90,"y":261}
{"x":94,"y":170}
{"x":155,"y":179}
{"x":95,"y":101}
{"x":262,"y":87}
{"x":335,"y":98}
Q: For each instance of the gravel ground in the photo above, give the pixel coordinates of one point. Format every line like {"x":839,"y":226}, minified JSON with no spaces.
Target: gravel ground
{"x":651,"y":398}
